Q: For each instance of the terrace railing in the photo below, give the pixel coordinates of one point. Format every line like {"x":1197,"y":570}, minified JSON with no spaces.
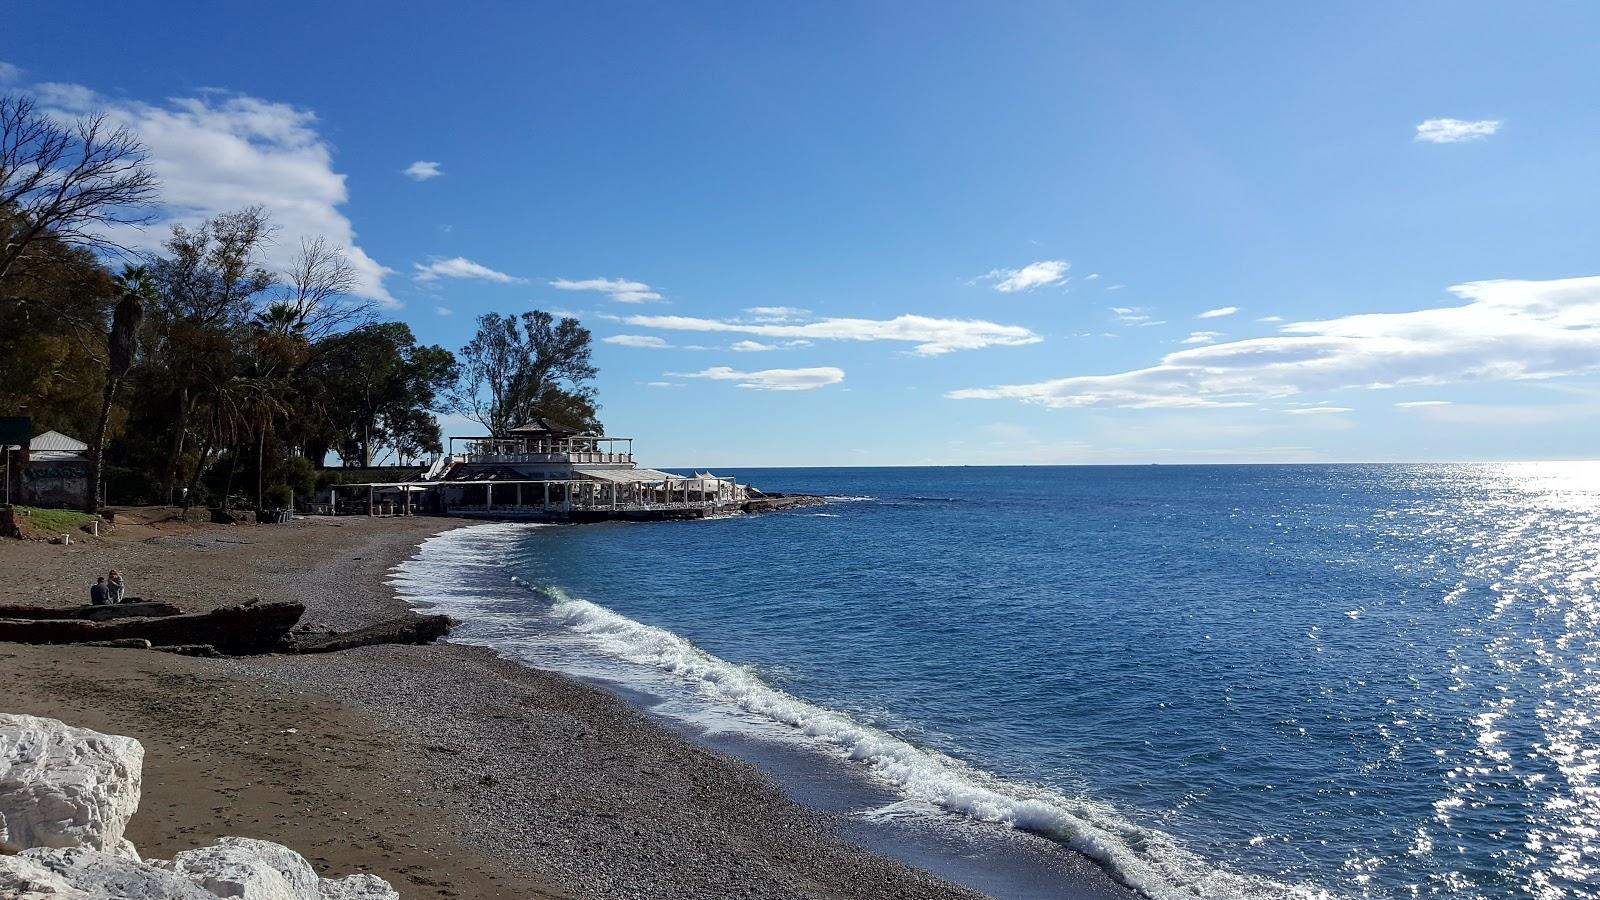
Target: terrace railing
{"x":575,"y":457}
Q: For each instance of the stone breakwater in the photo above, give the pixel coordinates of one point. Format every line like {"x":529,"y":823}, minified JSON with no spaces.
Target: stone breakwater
{"x":66,"y":795}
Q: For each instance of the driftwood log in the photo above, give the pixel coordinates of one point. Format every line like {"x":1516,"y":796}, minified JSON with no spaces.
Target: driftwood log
{"x":232,"y":630}
{"x":412,"y":629}
{"x":131,"y":610}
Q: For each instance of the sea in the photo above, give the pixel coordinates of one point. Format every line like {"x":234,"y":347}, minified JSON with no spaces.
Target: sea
{"x":1300,"y":681}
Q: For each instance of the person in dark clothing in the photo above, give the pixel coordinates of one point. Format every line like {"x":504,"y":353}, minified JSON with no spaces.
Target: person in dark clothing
{"x":97,"y":594}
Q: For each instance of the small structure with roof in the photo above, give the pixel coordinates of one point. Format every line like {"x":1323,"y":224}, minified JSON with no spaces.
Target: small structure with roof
{"x":54,"y":471}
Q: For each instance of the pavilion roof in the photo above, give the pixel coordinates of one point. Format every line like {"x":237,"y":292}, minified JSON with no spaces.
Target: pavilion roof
{"x":539,"y":425}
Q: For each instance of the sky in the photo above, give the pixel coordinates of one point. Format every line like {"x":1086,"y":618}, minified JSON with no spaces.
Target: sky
{"x":891,"y":234}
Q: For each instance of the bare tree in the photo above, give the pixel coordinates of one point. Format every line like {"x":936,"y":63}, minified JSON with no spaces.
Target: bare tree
{"x":316,"y":299}
{"x":66,"y":181}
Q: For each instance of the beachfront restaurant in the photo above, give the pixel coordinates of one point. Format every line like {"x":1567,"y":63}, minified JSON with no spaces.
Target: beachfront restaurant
{"x":543,"y":470}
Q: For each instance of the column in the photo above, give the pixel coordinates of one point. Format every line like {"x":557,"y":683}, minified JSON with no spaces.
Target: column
{"x":488,"y":496}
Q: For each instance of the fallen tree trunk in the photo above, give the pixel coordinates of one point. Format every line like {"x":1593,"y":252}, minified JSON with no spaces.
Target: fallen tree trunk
{"x":233,"y":630}
{"x":412,"y":629}
{"x":101,"y":613}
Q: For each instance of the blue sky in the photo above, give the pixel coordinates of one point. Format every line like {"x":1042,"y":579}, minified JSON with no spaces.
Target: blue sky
{"x":975,"y":233}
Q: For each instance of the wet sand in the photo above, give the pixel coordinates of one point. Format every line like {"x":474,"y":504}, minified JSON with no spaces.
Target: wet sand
{"x":445,"y":769}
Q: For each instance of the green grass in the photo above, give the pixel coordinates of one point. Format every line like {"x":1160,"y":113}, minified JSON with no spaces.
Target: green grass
{"x":50,"y":521}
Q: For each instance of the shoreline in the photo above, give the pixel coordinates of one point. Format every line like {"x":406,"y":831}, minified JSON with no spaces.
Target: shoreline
{"x":447,"y":769}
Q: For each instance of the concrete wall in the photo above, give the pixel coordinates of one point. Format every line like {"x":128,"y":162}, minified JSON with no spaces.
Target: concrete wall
{"x":63,"y":483}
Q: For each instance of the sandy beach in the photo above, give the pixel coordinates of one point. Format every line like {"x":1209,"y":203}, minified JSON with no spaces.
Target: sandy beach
{"x":442,"y":768}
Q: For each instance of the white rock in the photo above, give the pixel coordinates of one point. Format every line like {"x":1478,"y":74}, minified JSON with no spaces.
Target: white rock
{"x":62,"y":786}
{"x":23,"y":879}
{"x":358,"y":887}
{"x":261,"y":870}
{"x":245,"y":867}
{"x":75,"y":873}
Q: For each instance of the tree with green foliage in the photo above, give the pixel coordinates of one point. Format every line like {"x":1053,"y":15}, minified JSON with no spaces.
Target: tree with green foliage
{"x":515,"y":369}
{"x":137,"y":290}
{"x":373,"y":380}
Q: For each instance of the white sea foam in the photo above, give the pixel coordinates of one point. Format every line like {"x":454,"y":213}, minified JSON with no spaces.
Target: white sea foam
{"x":1146,"y":860}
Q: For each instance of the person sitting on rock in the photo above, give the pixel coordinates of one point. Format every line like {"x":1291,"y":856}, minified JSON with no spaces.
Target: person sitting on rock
{"x":97,"y":594}
{"x":115,"y":588}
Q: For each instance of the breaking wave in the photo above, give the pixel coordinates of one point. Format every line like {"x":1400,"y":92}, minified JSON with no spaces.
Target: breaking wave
{"x":1146,"y":860}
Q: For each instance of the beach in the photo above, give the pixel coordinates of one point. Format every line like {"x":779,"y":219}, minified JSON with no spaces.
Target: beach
{"x":442,"y":768}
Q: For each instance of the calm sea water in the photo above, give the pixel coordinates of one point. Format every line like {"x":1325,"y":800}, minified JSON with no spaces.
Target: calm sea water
{"x":1229,"y":682}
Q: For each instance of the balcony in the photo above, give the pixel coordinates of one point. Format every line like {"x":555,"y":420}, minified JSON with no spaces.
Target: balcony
{"x":569,"y":457}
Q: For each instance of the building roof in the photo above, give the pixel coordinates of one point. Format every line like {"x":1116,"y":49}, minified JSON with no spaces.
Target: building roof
{"x":623,"y":476}
{"x":541,"y":425}
{"x":55,"y":445}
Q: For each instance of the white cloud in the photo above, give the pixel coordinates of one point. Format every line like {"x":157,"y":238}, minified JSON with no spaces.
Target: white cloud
{"x":1419,"y":404}
{"x":443,"y":311}
{"x":9,"y":72}
{"x":1201,"y":337}
{"x":932,"y":336}
{"x":644,"y":341}
{"x":1505,"y":331}
{"x":1034,"y":275}
{"x":1133,"y":315}
{"x":1218,"y":313}
{"x":771,"y":379}
{"x":620,"y":289}
{"x":461,"y":267}
{"x":1455,"y":131}
{"x":1270,"y":319}
{"x":777,"y":313}
{"x":663,"y":384}
{"x":1317,"y":410}
{"x":1092,"y":276}
{"x":758,"y":347}
{"x":422,"y":170}
{"x":1115,"y":287}
{"x":220,"y":153}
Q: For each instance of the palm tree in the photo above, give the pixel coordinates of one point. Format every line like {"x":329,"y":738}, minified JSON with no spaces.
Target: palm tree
{"x":137,"y":287}
{"x":281,"y":317}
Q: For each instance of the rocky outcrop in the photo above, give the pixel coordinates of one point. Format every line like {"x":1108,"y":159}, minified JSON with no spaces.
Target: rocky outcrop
{"x":234,"y":630}
{"x":232,"y":867}
{"x":66,"y":795}
{"x":409,"y":629}
{"x":127,"y":609}
{"x":76,"y":873}
{"x":262,"y":870}
{"x":66,"y":787}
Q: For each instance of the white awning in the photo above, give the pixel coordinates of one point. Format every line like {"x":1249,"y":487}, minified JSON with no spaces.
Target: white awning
{"x":623,"y":476}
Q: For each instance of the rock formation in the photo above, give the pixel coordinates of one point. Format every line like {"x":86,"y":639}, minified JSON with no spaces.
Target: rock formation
{"x":66,"y":787}
{"x":66,"y":795}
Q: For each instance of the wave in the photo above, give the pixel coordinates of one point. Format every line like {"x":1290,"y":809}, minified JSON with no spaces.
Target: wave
{"x":1146,"y":860}
{"x":845,"y":498}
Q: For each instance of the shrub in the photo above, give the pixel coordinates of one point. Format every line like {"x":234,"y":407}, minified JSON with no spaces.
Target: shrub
{"x":279,"y":496}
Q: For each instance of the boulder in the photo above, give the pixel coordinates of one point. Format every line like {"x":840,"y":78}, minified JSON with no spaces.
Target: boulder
{"x":262,"y":870}
{"x":357,"y":887}
{"x":75,"y":873}
{"x":62,"y":786}
{"x":66,"y":795}
{"x":245,"y":867}
{"x":232,"y":867}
